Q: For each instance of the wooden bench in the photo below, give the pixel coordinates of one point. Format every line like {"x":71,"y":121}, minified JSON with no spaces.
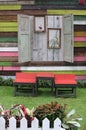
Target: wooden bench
{"x":24,"y":83}
{"x":65,"y":85}
{"x":45,"y":76}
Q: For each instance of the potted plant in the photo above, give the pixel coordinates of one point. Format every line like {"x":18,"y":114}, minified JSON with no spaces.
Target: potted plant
{"x":71,"y":122}
{"x":17,"y":111}
{"x":51,"y":111}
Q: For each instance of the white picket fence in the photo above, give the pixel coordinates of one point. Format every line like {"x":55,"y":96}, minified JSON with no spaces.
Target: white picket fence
{"x":34,"y":124}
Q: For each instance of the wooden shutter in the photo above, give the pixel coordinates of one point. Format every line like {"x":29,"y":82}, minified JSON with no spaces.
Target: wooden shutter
{"x":23,"y":38}
{"x":68,"y":38}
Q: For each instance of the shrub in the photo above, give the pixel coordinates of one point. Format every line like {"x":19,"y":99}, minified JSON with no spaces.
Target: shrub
{"x":8,"y":82}
{"x":71,"y":122}
{"x":1,"y":80}
{"x":81,"y":84}
{"x":50,"y":111}
{"x":18,"y":111}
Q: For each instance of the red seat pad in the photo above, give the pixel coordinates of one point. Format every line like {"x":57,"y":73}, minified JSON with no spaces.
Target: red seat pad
{"x":64,"y":76}
{"x":28,"y":80}
{"x":25,"y":75}
{"x":45,"y":74}
{"x":65,"y":81}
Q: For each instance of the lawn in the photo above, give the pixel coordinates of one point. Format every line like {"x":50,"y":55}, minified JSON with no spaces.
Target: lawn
{"x":45,"y":96}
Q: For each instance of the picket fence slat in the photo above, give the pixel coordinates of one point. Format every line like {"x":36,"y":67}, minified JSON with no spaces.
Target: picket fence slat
{"x":12,"y":124}
{"x":2,"y":123}
{"x":34,"y":124}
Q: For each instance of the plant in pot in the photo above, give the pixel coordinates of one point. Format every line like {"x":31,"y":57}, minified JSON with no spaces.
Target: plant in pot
{"x":71,"y":122}
{"x":18,"y":111}
{"x":50,"y":111}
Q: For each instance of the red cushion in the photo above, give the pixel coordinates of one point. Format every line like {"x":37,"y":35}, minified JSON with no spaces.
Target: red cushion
{"x":25,"y":75}
{"x":64,"y":76}
{"x":45,"y":74}
{"x":30,"y":80}
{"x":65,"y":82}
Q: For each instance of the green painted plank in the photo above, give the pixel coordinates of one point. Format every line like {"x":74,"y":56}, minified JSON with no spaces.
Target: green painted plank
{"x":9,"y":29}
{"x":8,"y":24}
{"x":81,"y":72}
{"x":8,"y":39}
{"x":5,"y":63}
{"x":10,"y":7}
{"x":79,"y":44}
{"x":62,"y":12}
{"x":62,"y":2}
{"x":80,"y":17}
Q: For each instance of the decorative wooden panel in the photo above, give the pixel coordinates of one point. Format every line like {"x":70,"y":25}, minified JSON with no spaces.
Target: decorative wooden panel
{"x":24,"y":38}
{"x":68,"y":38}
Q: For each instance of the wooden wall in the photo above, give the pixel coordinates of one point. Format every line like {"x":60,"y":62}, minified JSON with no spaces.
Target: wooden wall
{"x":9,"y":41}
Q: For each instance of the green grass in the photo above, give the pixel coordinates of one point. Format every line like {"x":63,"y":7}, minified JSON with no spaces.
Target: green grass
{"x":45,"y":96}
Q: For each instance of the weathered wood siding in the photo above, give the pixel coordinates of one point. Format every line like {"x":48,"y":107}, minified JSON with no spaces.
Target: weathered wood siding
{"x":9,"y":38}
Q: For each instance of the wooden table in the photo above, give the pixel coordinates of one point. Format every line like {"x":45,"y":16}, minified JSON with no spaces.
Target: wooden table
{"x":48,"y":76}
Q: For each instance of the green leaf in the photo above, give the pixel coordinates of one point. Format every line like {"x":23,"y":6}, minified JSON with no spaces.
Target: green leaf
{"x":71,"y":113}
{"x":65,"y":126}
{"x":75,"y":123}
{"x":78,"y":119}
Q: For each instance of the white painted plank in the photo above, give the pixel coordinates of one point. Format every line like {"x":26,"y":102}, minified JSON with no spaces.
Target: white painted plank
{"x":12,"y":124}
{"x":23,"y":124}
{"x":54,"y":68}
{"x":2,"y":123}
{"x":78,"y":22}
{"x":8,"y":48}
{"x":46,"y":124}
{"x":35,"y":125}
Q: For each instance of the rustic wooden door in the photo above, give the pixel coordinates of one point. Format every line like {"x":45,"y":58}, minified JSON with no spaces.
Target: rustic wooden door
{"x":68,"y":38}
{"x":24,"y":49}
